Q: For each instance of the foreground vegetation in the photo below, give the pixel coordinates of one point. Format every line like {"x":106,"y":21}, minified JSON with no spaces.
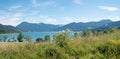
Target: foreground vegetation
{"x":90,"y":45}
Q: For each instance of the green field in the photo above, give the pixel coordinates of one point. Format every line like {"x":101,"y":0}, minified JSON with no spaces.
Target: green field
{"x":102,"y":46}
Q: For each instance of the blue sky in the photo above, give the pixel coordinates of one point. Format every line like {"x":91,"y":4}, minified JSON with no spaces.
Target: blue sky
{"x":13,"y":12}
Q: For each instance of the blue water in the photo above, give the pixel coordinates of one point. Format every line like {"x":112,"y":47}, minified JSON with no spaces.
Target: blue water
{"x":33,"y":35}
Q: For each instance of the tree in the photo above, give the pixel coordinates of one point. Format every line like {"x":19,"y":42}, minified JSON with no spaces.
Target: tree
{"x":20,"y":37}
{"x":14,"y":40}
{"x":62,"y":35}
{"x":9,"y":40}
{"x":28,"y":39}
{"x":39,"y":40}
{"x":76,"y":35}
{"x":99,"y":32}
{"x":5,"y":38}
{"x":47,"y":38}
{"x":61,"y":38}
{"x":0,"y":40}
{"x":86,"y":33}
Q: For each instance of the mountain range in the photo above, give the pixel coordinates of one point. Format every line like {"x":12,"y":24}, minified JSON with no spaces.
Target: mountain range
{"x":110,"y":25}
{"x":42,"y":27}
{"x":82,"y":26}
{"x":34,"y":27}
{"x":9,"y":29}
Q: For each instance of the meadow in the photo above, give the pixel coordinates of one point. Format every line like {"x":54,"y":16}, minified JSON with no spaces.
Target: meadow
{"x":100,"y":45}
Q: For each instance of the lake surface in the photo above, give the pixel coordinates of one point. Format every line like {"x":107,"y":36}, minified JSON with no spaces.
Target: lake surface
{"x":33,"y":35}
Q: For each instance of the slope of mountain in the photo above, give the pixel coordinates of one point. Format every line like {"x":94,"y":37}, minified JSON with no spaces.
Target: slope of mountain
{"x":82,"y":26}
{"x":33,"y":27}
{"x":72,"y":26}
{"x":111,"y":25}
{"x":114,"y":24}
{"x":8,"y":29}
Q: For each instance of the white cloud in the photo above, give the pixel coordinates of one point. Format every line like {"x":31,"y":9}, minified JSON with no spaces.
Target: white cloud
{"x":82,"y":19}
{"x":2,"y":17}
{"x":33,"y":13}
{"x":47,"y":3}
{"x":77,"y":1}
{"x":16,"y":17}
{"x":11,"y":19}
{"x":50,"y":20}
{"x":113,"y":18}
{"x":40,"y":19}
{"x":67,"y":20}
{"x":116,"y":18}
{"x":109,"y":8}
{"x":14,"y":7}
{"x":18,"y":14}
{"x":46,"y":19}
{"x":35,"y":3}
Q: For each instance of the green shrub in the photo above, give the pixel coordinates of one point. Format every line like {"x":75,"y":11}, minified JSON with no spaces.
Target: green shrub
{"x":47,"y":38}
{"x":5,"y":38}
{"x":76,"y":36}
{"x":53,"y":53}
{"x":86,"y":33}
{"x":20,"y":37}
{"x":109,"y":49}
{"x":62,"y":35}
{"x":39,"y":40}
{"x":28,"y":39}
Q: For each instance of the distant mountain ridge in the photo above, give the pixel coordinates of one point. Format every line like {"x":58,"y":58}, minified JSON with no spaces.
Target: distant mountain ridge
{"x":34,"y":27}
{"x":41,"y":27}
{"x":115,"y":24}
{"x":82,"y":26}
{"x":9,"y":29}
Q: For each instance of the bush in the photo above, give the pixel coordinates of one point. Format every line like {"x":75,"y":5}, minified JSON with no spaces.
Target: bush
{"x":47,"y":38}
{"x":39,"y":40}
{"x":62,"y":43}
{"x":86,"y":33}
{"x":76,"y":35}
{"x":109,"y":49}
{"x":62,"y":35}
{"x":5,"y":38}
{"x":53,"y":53}
{"x":20,"y":37}
{"x":28,"y":39}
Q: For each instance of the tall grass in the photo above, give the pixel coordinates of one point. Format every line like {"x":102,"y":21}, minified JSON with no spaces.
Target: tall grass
{"x":106,"y":46}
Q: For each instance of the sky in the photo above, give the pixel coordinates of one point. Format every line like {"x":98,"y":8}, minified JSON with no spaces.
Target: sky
{"x":13,"y":12}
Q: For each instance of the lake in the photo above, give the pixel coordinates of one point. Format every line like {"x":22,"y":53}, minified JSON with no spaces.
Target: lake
{"x":33,"y":35}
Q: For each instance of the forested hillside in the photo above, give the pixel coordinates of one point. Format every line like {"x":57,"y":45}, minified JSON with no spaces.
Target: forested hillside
{"x":9,"y":29}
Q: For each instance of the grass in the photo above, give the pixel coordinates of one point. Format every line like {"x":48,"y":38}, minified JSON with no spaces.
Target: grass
{"x":106,"y":46}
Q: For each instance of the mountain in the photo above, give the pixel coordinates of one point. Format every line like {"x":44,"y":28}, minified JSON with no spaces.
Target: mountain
{"x":111,"y":25}
{"x":8,"y":29}
{"x":82,"y":26}
{"x":34,"y":27}
{"x":42,"y":27}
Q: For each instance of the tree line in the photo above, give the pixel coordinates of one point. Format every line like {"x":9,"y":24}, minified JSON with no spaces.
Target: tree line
{"x":61,"y":35}
{"x":22,"y":38}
